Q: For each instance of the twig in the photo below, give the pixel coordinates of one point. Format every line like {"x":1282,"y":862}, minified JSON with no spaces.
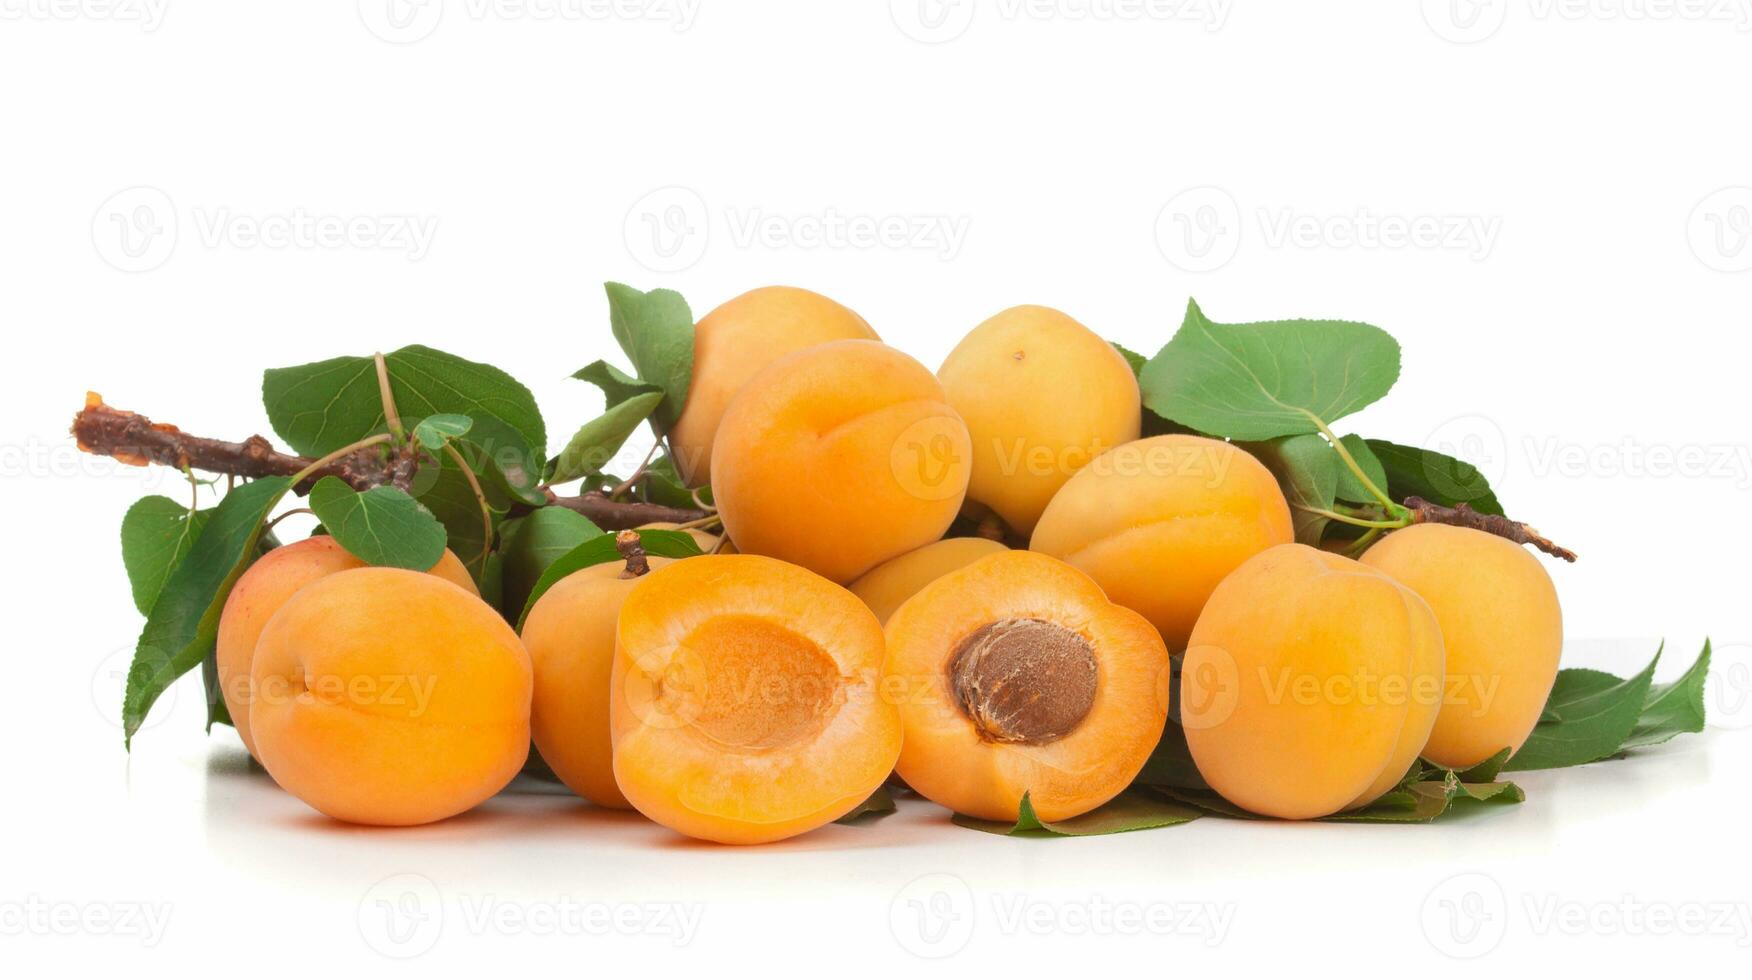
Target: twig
{"x":1462,"y":515}
{"x":633,"y":550}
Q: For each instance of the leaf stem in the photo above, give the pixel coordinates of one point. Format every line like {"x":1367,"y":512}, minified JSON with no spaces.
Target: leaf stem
{"x":1342,"y":518}
{"x":480,"y":498}
{"x":1350,"y":463}
{"x":390,"y":415}
{"x":644,"y":465}
{"x":315,"y":467}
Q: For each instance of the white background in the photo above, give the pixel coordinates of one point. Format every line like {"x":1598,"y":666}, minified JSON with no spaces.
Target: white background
{"x":1578,"y":326}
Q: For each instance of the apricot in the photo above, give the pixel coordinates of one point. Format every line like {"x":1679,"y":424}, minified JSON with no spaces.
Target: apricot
{"x":732,"y":343}
{"x":891,"y":583}
{"x":1311,"y":683}
{"x":264,"y":588}
{"x":746,"y":701}
{"x":1160,"y":521}
{"x":570,"y":637}
{"x":1504,"y":631}
{"x":1042,"y":395}
{"x":1017,"y":675}
{"x":838,"y":458}
{"x":390,"y":697}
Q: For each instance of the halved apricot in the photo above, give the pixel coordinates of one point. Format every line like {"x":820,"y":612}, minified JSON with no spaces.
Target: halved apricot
{"x":1019,"y":676}
{"x":746,"y":702}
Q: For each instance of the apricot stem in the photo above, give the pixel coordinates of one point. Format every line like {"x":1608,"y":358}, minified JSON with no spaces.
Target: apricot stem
{"x":633,"y":550}
{"x":638,"y":471}
{"x":1333,"y":515}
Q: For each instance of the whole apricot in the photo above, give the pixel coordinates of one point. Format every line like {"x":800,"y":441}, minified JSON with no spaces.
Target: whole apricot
{"x":891,"y":583}
{"x":1017,"y":675}
{"x":390,"y":697}
{"x":747,"y":701}
{"x":264,"y":588}
{"x":732,"y":343}
{"x":1504,"y":631}
{"x":569,"y":633}
{"x":839,"y":457}
{"x":1042,"y":395}
{"x":1160,"y":521}
{"x":1311,"y":683}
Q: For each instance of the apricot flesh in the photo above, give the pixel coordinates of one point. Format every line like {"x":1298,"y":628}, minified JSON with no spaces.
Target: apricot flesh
{"x":1042,"y":395}
{"x":264,"y":588}
{"x":1310,"y":685}
{"x":731,"y":345}
{"x":1160,"y":521}
{"x":390,"y":697}
{"x":747,"y":701}
{"x":896,"y":580}
{"x":838,"y":458}
{"x":1504,"y":630}
{"x":1017,"y":675}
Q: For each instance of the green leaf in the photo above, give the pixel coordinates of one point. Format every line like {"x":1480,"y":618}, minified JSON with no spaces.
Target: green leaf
{"x":879,"y":805}
{"x":1170,"y":765}
{"x":535,"y":542}
{"x":1673,"y":709}
{"x":1589,"y":716}
{"x":434,"y":431}
{"x":656,"y":329}
{"x":443,"y":489}
{"x":1308,"y":471}
{"x":600,"y":549}
{"x":382,"y":526}
{"x":156,"y":533}
{"x":1132,"y":357}
{"x":321,"y":407}
{"x":596,"y":442}
{"x":217,"y":712}
{"x":1258,"y":381}
{"x":1130,"y":810}
{"x":1436,"y":477}
{"x":1349,"y":487}
{"x":617,"y":386}
{"x":1425,"y":800}
{"x":184,"y":622}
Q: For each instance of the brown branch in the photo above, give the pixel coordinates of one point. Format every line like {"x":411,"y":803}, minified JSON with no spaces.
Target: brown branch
{"x":619,"y":515}
{"x":1462,"y":515}
{"x":138,"y":441}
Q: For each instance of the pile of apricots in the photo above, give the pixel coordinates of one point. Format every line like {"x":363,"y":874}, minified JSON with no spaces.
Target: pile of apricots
{"x":770,"y":686}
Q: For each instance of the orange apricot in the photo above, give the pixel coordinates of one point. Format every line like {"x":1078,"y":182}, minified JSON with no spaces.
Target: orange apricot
{"x":1019,"y":676}
{"x":891,"y":583}
{"x":1160,"y":521}
{"x":570,"y":637}
{"x":1042,"y":395}
{"x":839,"y":457}
{"x":264,"y":588}
{"x":746,"y":704}
{"x":390,"y":697}
{"x":1504,"y":631}
{"x":732,"y":343}
{"x":1311,"y":683}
